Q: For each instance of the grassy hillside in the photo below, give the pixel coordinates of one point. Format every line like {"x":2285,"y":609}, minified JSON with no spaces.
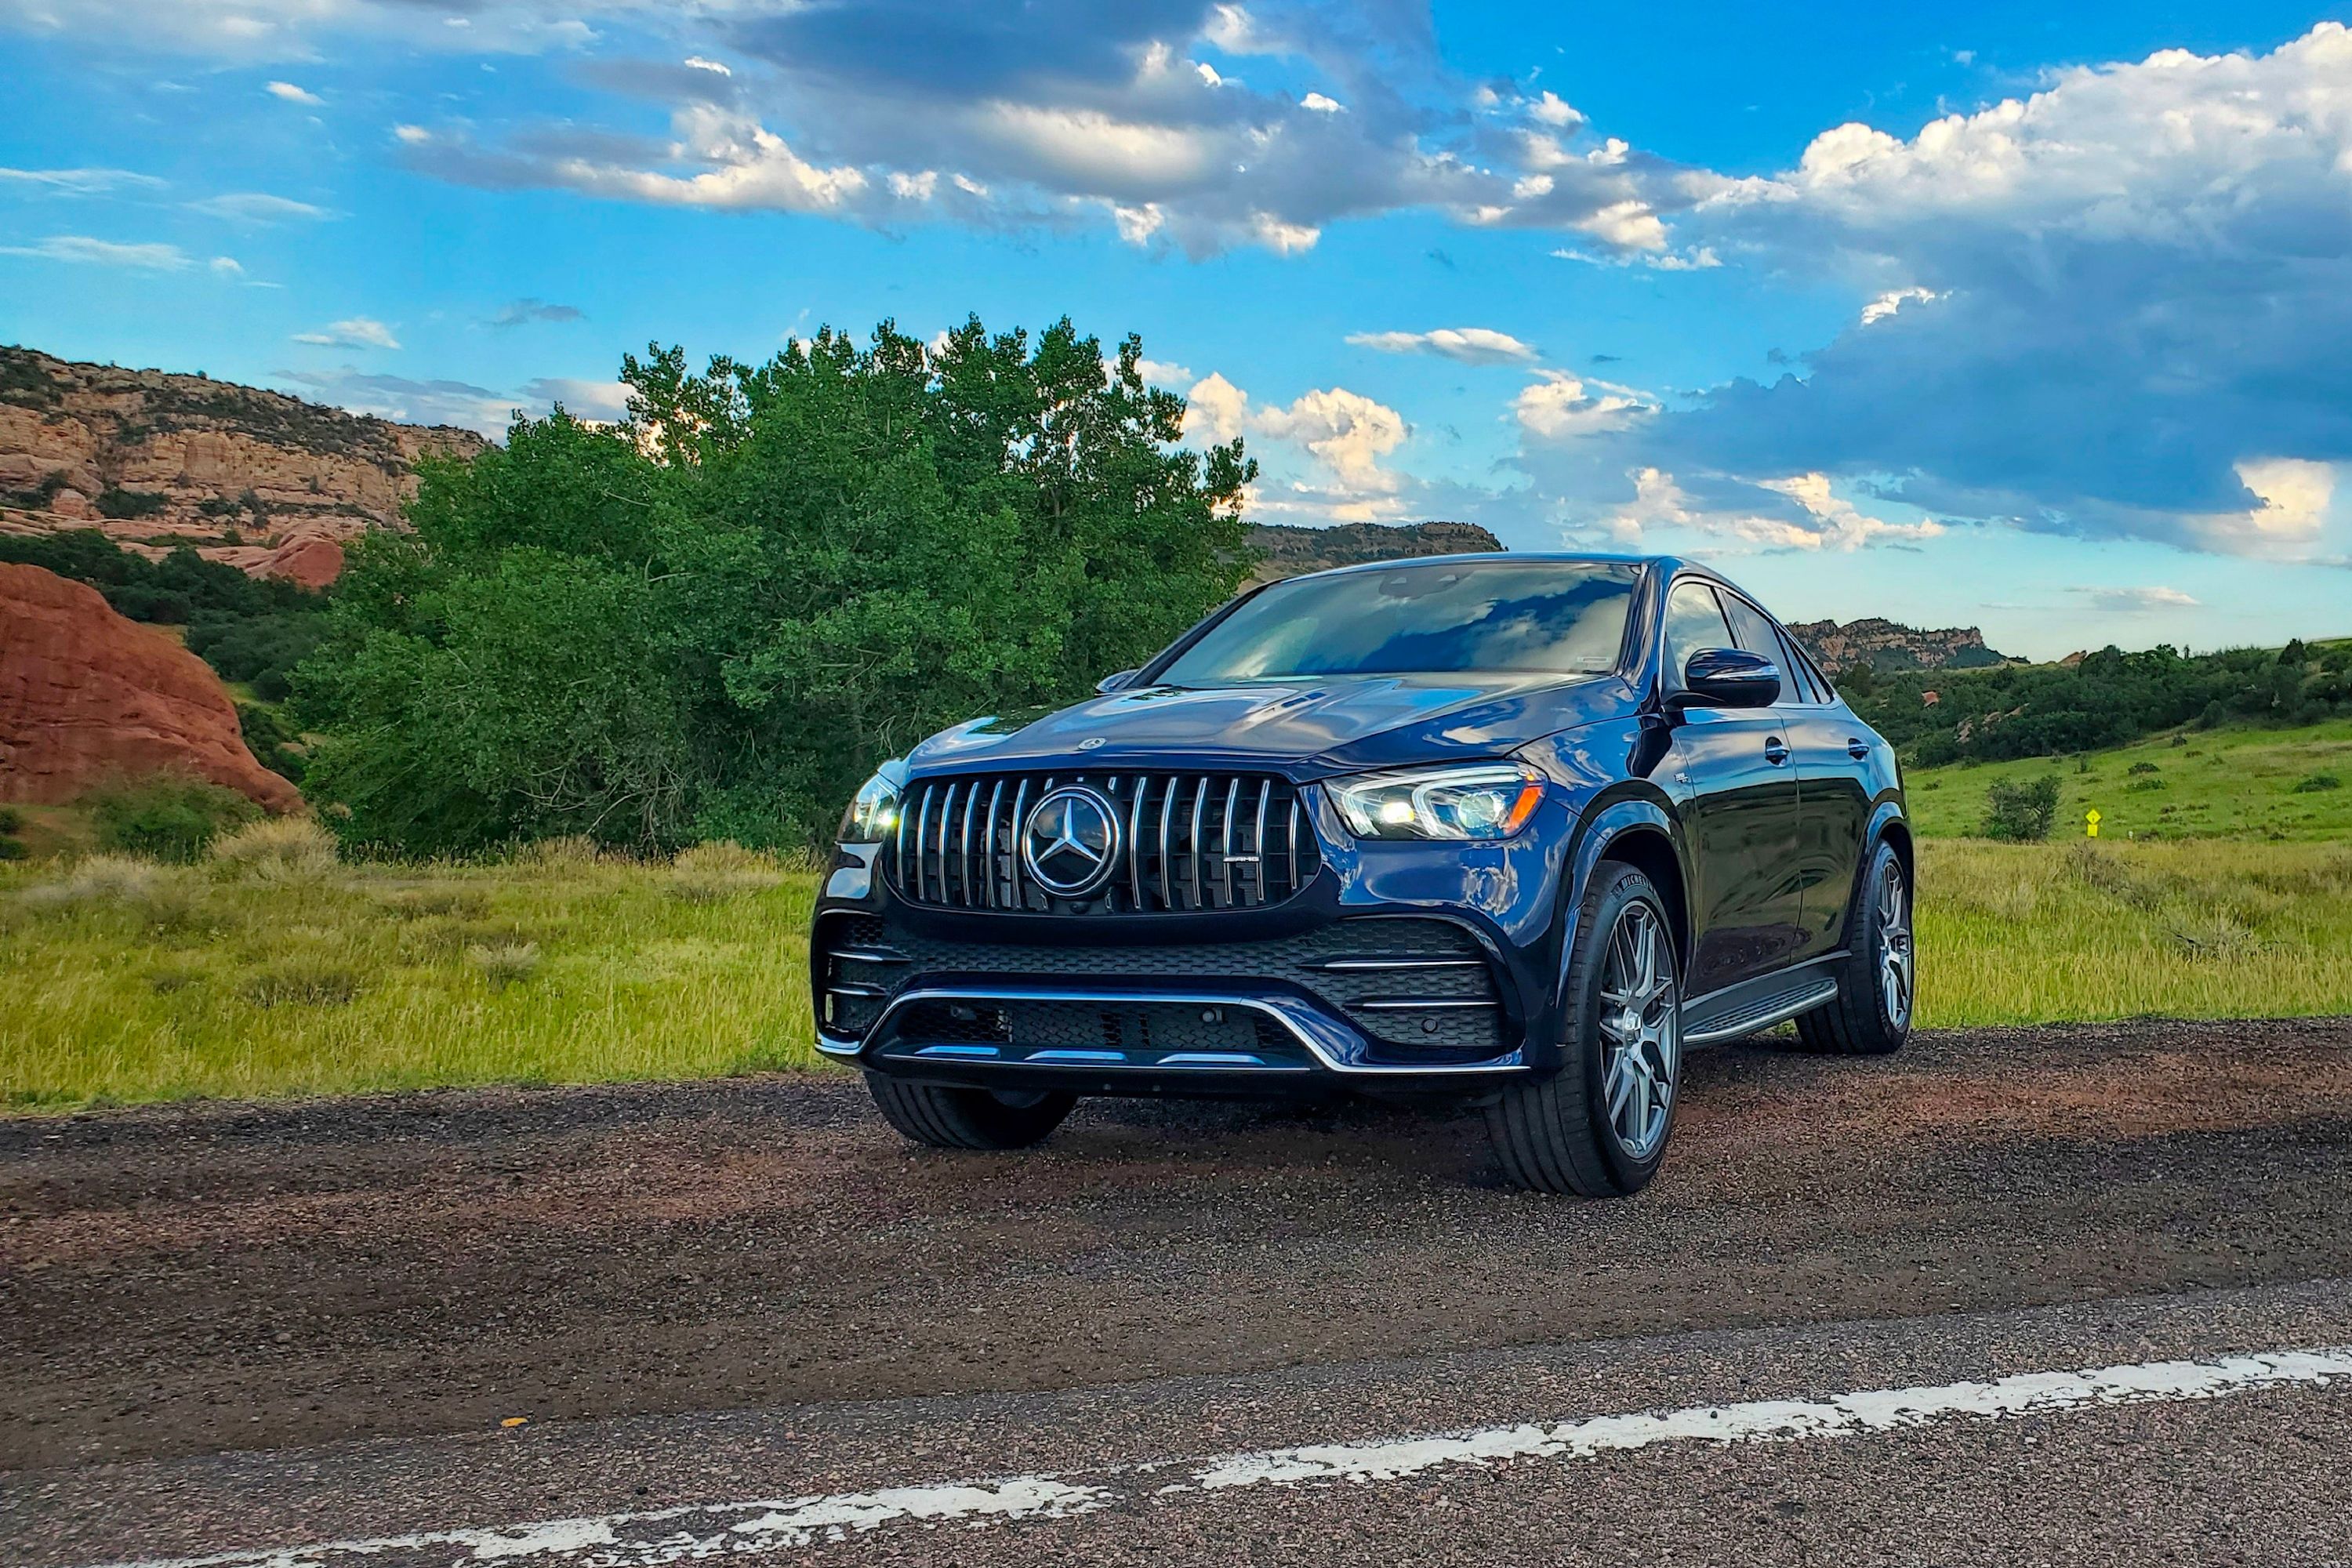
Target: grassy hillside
{"x":2223,"y":783}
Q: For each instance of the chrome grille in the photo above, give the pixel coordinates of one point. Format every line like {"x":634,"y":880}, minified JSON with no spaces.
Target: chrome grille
{"x":1188,"y":842}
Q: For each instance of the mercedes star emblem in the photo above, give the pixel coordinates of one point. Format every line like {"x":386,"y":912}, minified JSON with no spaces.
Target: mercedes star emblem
{"x":1070,"y":843}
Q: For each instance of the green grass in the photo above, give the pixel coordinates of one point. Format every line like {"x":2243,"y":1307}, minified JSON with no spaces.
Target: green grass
{"x":2205,"y":783}
{"x":136,"y":983}
{"x":271,"y":969}
{"x":2026,"y":934}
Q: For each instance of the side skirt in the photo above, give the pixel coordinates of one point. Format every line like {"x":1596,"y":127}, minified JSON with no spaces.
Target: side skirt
{"x":1760,"y":1003}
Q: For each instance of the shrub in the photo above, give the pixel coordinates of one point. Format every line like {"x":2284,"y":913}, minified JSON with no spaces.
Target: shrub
{"x":2021,"y":812}
{"x":103,"y":879}
{"x":505,"y":964}
{"x":117,"y":502}
{"x":424,"y":903}
{"x":166,"y":817}
{"x":11,"y":820}
{"x":275,"y":849}
{"x":13,"y":849}
{"x":2142,"y":768}
{"x":2314,"y":783}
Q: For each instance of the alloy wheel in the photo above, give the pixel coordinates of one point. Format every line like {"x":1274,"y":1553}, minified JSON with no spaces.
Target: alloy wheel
{"x":1641,"y":1027}
{"x":1895,"y":961}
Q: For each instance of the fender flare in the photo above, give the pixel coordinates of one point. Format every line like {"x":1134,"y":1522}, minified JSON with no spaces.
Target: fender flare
{"x":1608,"y":821}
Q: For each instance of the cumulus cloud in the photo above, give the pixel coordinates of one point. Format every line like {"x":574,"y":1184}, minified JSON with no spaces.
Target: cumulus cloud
{"x":359,"y":333}
{"x":289,"y":92}
{"x":2112,"y":308}
{"x":1812,"y":516}
{"x":1344,"y":435}
{"x":83,"y":250}
{"x":1470,"y":345}
{"x":1557,"y":405}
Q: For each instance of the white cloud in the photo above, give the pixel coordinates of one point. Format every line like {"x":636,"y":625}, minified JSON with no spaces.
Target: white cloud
{"x":1551,"y":111}
{"x":228,"y":266}
{"x":1894,"y":300}
{"x":2292,"y":497}
{"x":258,"y":206}
{"x":411,"y":135}
{"x":1820,"y":520}
{"x":292,"y":94}
{"x":1470,"y":345}
{"x":2137,"y":601}
{"x":1344,"y":433}
{"x":77,"y":182}
{"x":749,"y":167}
{"x":82,"y":248}
{"x":698,"y":63}
{"x":359,"y":333}
{"x":1320,"y":104}
{"x":1557,"y":405}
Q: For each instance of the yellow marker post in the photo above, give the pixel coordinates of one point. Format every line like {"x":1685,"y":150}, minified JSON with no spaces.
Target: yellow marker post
{"x":2091,"y":823}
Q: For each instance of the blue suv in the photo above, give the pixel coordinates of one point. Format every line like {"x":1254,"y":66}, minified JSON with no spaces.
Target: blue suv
{"x":1516,"y":827}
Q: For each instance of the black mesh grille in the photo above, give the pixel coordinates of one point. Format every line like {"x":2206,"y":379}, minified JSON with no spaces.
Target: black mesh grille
{"x":1185,"y":842}
{"x":1420,"y":987}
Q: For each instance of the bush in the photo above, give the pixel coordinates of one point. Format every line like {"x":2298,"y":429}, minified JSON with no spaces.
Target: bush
{"x":275,"y":849}
{"x":166,"y":817}
{"x":2142,"y":768}
{"x":2315,"y":782}
{"x":2021,"y":812}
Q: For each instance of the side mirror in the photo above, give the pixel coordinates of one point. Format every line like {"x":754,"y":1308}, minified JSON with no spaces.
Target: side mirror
{"x":1728,"y":677}
{"x":1118,"y":680}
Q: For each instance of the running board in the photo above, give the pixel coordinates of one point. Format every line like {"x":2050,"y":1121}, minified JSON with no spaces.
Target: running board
{"x":1729,"y":1018}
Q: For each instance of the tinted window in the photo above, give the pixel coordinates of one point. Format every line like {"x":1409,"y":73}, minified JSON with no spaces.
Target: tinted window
{"x":1796,"y":680}
{"x":1754,"y":631}
{"x":1693,"y":621}
{"x":1548,"y":617}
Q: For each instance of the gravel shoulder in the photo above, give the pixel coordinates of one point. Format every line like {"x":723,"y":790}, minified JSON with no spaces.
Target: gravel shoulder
{"x":180,"y":1281}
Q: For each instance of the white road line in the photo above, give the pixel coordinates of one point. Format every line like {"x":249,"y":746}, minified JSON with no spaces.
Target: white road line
{"x":650,"y":1540}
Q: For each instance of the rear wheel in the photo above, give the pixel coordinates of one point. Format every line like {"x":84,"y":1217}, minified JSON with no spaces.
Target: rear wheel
{"x":1598,"y":1127}
{"x":948,"y":1117}
{"x":1877,"y":984}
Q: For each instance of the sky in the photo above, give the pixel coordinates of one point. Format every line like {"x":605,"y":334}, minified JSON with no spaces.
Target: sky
{"x":2032,"y":318}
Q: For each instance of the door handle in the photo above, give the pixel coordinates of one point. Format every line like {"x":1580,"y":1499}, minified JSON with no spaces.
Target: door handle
{"x":1856,"y":749}
{"x":1776,"y":750}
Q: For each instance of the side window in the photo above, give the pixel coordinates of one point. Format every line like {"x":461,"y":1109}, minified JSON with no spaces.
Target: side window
{"x":1693,"y":621}
{"x":1816,"y":683}
{"x":1797,"y":684}
{"x":1757,"y":634}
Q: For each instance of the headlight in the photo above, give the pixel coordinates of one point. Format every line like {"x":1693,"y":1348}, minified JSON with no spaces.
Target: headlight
{"x":874,"y":815}
{"x":1488,"y":800}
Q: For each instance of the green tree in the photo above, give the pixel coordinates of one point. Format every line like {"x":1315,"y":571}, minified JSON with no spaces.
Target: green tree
{"x":716,"y":619}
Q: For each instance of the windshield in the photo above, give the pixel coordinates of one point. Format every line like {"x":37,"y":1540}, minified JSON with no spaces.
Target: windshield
{"x":1555,"y":617}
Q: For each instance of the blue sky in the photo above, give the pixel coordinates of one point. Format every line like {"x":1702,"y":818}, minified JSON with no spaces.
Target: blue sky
{"x":2029,"y":317}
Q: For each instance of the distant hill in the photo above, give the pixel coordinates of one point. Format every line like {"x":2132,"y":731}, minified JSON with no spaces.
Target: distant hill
{"x":1292,"y":552}
{"x":1888,"y":646}
{"x":259,"y":480}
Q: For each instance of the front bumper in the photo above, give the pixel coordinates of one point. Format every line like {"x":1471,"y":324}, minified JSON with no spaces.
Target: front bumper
{"x":1367,"y":997}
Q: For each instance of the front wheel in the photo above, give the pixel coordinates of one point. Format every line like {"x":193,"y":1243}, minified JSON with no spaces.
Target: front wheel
{"x":1877,"y":984}
{"x":947,"y":1117}
{"x":1598,"y":1127}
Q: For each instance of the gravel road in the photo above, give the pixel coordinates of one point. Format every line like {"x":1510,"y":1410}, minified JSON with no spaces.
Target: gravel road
{"x":239,"y":1327}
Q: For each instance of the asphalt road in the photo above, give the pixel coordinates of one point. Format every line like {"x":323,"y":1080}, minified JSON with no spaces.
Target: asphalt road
{"x":740,"y":1319}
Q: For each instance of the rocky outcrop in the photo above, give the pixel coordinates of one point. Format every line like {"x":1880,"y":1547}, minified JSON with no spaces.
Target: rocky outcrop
{"x":1292,"y":552}
{"x":156,"y":461}
{"x":1888,"y":646}
{"x":86,"y":695}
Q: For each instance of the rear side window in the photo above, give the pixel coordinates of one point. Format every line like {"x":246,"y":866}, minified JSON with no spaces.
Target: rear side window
{"x":1693,"y":621}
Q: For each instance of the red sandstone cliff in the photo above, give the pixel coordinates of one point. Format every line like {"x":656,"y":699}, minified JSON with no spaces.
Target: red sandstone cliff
{"x":85,"y":693}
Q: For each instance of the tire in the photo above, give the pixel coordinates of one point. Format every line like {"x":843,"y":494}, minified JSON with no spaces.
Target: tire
{"x":946,"y":1117}
{"x":1866,"y":1020}
{"x":1560,"y":1136}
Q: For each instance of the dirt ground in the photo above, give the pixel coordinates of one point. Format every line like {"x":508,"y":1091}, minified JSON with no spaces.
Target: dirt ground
{"x":189,"y":1280}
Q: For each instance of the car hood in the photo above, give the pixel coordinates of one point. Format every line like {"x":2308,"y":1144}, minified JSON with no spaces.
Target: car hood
{"x":1304,"y":729}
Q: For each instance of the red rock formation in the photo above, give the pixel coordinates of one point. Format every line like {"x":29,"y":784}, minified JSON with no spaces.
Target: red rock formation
{"x":85,"y":693}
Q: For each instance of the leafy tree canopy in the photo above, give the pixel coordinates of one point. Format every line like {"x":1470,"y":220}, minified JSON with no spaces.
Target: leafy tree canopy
{"x":715,"y":619}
